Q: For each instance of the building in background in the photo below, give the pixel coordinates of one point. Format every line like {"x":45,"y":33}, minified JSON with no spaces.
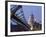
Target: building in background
{"x":34,"y":25}
{"x":19,"y":23}
{"x":31,"y":21}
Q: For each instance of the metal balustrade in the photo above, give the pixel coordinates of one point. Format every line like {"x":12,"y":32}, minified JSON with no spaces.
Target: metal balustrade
{"x":19,"y":17}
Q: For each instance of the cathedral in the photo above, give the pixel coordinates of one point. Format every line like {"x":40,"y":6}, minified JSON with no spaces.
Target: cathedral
{"x":19,"y":23}
{"x":34,"y":25}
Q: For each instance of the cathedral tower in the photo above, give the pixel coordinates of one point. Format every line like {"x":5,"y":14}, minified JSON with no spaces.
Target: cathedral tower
{"x":31,"y":21}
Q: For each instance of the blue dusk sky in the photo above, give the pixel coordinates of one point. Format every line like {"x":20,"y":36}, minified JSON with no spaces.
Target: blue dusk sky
{"x":36,"y":10}
{"x":29,"y":9}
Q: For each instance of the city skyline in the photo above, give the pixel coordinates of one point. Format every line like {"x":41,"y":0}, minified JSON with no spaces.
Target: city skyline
{"x":29,"y":10}
{"x":36,"y":10}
